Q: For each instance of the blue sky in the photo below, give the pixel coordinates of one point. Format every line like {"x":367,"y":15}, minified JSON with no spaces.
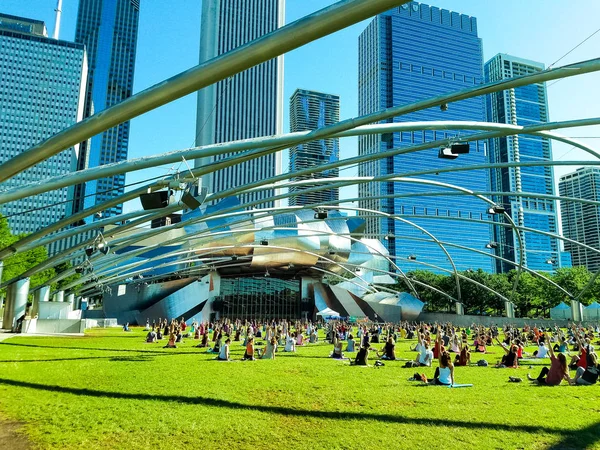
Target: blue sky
{"x":169,"y":42}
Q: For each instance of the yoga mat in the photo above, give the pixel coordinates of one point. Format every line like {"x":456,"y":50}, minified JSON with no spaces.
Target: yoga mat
{"x":460,"y":385}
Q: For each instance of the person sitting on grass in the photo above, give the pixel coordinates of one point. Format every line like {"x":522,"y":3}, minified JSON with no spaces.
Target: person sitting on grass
{"x":204,"y":342}
{"x":455,"y":343}
{"x":510,"y":359}
{"x":290,"y":344}
{"x":126,"y":327}
{"x":270,"y":349}
{"x":444,"y":374}
{"x":171,"y":343}
{"x":179,"y":335}
{"x":589,"y":375}
{"x":249,"y":355}
{"x":350,"y":343}
{"x":299,"y":338}
{"x":151,"y":336}
{"x":218,"y":345}
{"x":337,"y":349}
{"x":479,"y":344}
{"x":362,"y":357}
{"x":425,"y":355}
{"x":224,"y":352}
{"x":558,"y":371}
{"x":580,"y":360}
{"x":464,"y":358}
{"x":542,"y":350}
{"x":389,"y":350}
{"x":314,"y":337}
{"x":159,"y":335}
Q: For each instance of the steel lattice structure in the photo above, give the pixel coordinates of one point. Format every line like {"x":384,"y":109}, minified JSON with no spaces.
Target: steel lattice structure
{"x":194,"y":253}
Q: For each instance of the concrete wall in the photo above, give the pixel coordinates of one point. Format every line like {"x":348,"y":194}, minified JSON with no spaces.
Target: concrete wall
{"x":464,"y":321}
{"x":51,"y":326}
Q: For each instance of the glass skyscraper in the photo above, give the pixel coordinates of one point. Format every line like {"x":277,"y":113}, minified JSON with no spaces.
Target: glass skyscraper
{"x":42,"y":91}
{"x":310,"y":110}
{"x":527,"y":105}
{"x":247,"y":105}
{"x":581,"y":221}
{"x":109,"y":29}
{"x":408,"y":54}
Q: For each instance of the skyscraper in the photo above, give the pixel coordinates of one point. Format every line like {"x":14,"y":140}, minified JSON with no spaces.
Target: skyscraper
{"x":581,"y":221}
{"x":42,"y":90}
{"x":407,"y":54}
{"x":527,"y":105}
{"x":247,"y":105}
{"x":310,"y":110}
{"x":109,"y":29}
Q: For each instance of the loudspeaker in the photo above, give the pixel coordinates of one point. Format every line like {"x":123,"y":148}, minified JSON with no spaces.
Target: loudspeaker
{"x":460,"y":148}
{"x":446,"y":153}
{"x":194,"y":198}
{"x":155,"y":200}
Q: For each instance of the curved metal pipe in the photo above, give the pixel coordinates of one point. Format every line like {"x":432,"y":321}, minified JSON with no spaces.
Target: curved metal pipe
{"x":266,"y":144}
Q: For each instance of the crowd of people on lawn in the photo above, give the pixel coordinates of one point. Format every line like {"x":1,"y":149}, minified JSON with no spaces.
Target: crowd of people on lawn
{"x":451,"y":346}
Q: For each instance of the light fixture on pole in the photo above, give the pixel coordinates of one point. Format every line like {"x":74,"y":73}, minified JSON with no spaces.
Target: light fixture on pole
{"x":320,"y":214}
{"x":496,"y":209}
{"x":412,"y":257}
{"x":491,"y":245}
{"x":446,"y":153}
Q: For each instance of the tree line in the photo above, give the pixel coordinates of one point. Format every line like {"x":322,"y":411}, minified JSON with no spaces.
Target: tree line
{"x":534,"y":296}
{"x":19,"y":263}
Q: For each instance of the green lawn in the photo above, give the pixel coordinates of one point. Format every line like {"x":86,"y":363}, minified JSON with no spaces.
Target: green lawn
{"x":111,"y":390}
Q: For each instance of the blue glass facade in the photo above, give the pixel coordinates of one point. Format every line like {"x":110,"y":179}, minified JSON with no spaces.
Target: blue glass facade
{"x":524,"y":106}
{"x":405,"y":55}
{"x":310,"y":110}
{"x":108,"y":28}
{"x":42,"y":89}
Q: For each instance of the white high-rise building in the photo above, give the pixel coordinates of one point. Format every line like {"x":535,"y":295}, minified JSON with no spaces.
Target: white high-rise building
{"x":581,"y":221}
{"x":42,"y":92}
{"x":247,"y":105}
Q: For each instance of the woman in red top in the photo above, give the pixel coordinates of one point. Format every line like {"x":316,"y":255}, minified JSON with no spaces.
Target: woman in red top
{"x":558,"y":370}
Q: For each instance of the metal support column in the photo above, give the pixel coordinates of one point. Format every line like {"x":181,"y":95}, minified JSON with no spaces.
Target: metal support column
{"x":16,"y":303}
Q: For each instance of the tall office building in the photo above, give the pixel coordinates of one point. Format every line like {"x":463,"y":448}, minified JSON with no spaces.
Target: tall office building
{"x":310,"y":110}
{"x":247,"y":105}
{"x":581,"y":221}
{"x":408,"y":54}
{"x":42,"y":91}
{"x":527,"y":105}
{"x":109,"y":29}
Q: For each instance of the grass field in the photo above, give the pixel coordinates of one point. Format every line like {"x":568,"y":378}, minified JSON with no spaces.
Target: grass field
{"x":111,"y":390}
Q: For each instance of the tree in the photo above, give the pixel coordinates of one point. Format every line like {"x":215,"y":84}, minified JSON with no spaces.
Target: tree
{"x":573,"y":280}
{"x":434,"y":300}
{"x":17,"y":264}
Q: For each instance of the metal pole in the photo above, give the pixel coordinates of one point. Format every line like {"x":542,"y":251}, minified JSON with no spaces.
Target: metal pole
{"x":16,"y":304}
{"x":272,"y":45}
{"x":266,"y":144}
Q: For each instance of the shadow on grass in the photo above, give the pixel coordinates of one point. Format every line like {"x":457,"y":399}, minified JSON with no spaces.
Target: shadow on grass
{"x":140,"y":358}
{"x":583,"y":438}
{"x":157,"y":352}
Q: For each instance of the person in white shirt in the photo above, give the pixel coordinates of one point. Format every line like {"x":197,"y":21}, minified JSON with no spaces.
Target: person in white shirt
{"x":290,"y":344}
{"x":542,"y":351}
{"x":224,"y":352}
{"x":425,"y":355}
